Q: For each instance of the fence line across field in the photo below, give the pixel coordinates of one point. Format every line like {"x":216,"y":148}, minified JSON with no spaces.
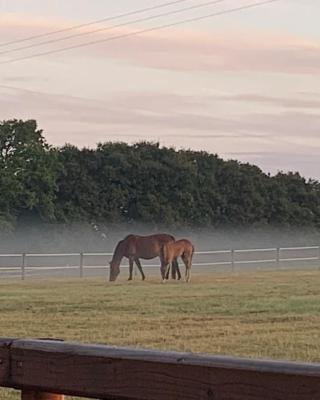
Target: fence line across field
{"x":232,"y":260}
{"x":300,"y":248}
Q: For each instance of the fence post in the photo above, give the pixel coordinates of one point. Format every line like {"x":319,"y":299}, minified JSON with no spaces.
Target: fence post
{"x":34,"y":395}
{"x":278,"y":258}
{"x":23,"y":266}
{"x":232,"y":260}
{"x":81,"y":265}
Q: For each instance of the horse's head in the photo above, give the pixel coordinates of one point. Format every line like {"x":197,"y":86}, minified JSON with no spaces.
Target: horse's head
{"x":114,"y":270}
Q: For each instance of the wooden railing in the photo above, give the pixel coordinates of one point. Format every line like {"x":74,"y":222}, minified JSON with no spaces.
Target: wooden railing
{"x":79,"y":263}
{"x":41,"y":367}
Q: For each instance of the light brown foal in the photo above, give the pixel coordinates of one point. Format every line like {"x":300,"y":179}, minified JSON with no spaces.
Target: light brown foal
{"x":172,"y":250}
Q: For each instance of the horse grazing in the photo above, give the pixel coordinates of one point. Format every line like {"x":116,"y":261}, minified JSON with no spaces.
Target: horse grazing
{"x":172,"y":250}
{"x":134,"y":247}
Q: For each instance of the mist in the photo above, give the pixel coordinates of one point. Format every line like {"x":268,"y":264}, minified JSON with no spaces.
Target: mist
{"x":60,"y":238}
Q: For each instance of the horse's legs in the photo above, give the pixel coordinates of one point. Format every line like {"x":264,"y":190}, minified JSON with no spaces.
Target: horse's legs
{"x":166,"y":271}
{"x":163,"y":269}
{"x":189,"y":266}
{"x":189,"y":273}
{"x":187,"y":262}
{"x":190,"y":262}
{"x":175,"y":270}
{"x":130,"y":269}
{"x":140,"y":268}
{"x":169,"y":266}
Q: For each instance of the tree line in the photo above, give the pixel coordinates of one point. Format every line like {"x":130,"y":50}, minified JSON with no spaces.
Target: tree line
{"x":145,"y":183}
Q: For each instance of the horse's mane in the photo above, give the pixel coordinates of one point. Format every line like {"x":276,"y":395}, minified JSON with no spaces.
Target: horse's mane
{"x":127,"y":237}
{"x":118,"y":248}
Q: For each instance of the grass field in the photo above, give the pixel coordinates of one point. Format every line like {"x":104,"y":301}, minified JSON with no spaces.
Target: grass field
{"x":257,"y":314}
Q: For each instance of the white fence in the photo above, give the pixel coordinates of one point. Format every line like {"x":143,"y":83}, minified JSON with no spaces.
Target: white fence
{"x":95,"y":264}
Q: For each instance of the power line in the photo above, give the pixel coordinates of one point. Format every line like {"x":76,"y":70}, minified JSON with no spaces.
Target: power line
{"x":165,"y":14}
{"x":127,"y":14}
{"x":164,"y":26}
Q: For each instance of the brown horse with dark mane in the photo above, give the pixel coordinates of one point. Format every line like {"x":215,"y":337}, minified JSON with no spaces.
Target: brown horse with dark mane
{"x":171,"y":251}
{"x":135,"y":247}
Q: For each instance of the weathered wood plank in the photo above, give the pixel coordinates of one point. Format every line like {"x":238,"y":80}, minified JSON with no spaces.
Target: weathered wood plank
{"x":5,"y":344}
{"x":58,"y":346}
{"x":108,"y":372}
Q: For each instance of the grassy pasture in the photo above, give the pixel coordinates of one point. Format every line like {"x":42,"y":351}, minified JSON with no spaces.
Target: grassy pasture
{"x":257,"y":314}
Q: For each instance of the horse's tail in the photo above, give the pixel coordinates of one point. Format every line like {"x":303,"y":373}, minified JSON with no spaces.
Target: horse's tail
{"x":164,"y":252}
{"x":192,"y":252}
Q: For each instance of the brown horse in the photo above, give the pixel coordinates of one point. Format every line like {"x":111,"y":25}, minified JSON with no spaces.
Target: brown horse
{"x":134,"y":247}
{"x":172,"y":250}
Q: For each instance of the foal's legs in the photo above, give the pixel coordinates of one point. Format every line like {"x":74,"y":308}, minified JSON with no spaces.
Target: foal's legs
{"x":165,"y":269}
{"x":178,"y":270}
{"x":166,"y":272}
{"x":187,"y":259}
{"x":140,"y":268}
{"x":188,"y":277}
{"x":173,"y":270}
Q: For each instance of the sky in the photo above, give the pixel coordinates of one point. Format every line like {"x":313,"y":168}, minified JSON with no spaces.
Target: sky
{"x":244,"y":85}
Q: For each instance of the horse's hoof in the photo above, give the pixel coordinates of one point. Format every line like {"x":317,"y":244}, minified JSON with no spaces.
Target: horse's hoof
{"x":129,"y":279}
{"x":164,"y":280}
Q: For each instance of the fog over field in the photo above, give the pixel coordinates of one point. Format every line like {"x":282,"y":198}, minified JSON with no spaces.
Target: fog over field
{"x":103,"y":238}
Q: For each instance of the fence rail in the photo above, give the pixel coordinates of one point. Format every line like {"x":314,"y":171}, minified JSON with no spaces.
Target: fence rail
{"x":274,"y":256}
{"x":96,"y":371}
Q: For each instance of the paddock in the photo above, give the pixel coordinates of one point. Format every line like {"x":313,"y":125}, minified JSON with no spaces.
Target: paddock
{"x":256,"y":314}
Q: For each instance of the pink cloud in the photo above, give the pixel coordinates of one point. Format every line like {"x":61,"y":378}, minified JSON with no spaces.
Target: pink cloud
{"x":274,"y":140}
{"x":284,"y":102}
{"x":156,"y":114}
{"x":181,"y":49}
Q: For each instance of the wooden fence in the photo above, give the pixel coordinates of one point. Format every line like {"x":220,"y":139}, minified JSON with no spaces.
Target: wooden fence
{"x":39,"y":367}
{"x":231,"y":258}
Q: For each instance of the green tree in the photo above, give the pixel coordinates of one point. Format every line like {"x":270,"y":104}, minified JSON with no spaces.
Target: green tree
{"x":144,"y":182}
{"x":28,"y":168}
